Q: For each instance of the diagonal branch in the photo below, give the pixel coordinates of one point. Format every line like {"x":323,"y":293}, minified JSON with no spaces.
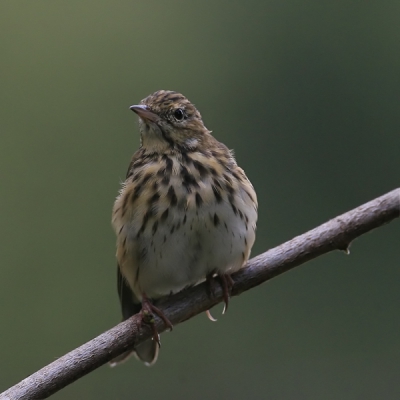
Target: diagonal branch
{"x":335,"y":234}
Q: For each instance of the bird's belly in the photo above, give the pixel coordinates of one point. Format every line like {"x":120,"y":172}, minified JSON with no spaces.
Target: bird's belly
{"x":185,"y":249}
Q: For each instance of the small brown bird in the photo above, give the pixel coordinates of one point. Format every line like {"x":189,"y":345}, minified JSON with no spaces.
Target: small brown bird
{"x":186,"y":211}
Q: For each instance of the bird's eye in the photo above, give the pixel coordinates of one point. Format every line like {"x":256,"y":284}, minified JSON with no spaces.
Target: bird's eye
{"x":179,"y":114}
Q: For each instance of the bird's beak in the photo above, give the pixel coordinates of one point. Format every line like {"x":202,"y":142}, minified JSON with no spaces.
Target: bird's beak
{"x":144,"y":113}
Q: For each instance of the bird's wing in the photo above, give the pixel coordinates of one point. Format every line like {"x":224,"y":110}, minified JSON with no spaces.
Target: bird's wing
{"x":127,"y":299}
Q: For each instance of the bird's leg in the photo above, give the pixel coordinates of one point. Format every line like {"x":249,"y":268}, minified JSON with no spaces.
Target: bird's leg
{"x":211,"y":293}
{"x":210,"y":284}
{"x":147,"y":313}
{"x":227,"y":283}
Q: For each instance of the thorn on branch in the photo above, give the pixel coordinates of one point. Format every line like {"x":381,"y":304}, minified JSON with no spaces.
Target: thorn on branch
{"x":345,"y":248}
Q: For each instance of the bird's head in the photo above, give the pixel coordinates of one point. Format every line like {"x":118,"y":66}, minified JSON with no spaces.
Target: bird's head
{"x":169,"y":121}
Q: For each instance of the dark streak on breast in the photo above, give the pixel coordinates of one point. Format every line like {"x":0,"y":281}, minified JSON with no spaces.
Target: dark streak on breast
{"x":188,"y":180}
{"x":164,"y":215}
{"x":172,"y":196}
{"x":201,"y":168}
{"x":199,"y":200}
{"x":217,"y":194}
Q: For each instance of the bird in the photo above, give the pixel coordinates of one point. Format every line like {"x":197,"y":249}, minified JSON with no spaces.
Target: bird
{"x":186,"y":212}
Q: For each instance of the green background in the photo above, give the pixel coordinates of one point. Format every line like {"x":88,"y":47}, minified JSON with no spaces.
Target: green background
{"x":307,"y":93}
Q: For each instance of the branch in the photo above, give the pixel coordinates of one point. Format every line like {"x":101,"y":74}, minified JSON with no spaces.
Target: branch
{"x":336,"y":234}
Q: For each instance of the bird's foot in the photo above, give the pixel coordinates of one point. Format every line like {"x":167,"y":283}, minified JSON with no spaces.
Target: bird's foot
{"x":147,"y":314}
{"x":226,"y":283}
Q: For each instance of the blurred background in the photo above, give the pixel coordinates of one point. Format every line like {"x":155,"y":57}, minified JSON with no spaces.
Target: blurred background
{"x":307,"y":93}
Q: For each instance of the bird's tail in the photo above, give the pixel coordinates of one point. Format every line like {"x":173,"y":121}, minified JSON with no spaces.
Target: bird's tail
{"x":146,"y":351}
